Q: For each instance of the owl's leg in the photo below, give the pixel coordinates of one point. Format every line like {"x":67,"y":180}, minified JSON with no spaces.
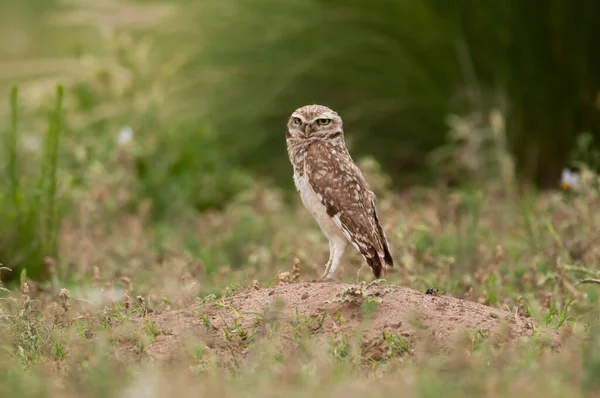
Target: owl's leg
{"x":337,"y":246}
{"x":328,"y":265}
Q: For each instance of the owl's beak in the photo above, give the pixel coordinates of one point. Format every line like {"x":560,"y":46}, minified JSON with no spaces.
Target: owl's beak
{"x":307,"y":131}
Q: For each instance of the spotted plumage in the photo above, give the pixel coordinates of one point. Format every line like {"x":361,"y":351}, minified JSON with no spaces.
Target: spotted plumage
{"x":333,"y":189}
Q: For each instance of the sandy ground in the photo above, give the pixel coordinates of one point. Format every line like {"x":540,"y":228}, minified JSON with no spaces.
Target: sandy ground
{"x":425,"y":322}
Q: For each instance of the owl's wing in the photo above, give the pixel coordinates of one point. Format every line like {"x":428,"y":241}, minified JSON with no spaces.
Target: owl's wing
{"x":348,"y":200}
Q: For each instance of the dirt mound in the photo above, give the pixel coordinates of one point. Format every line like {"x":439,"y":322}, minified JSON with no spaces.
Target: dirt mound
{"x":423,"y":321}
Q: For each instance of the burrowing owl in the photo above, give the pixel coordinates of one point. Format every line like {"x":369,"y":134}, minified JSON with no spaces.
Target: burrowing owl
{"x":333,"y":189}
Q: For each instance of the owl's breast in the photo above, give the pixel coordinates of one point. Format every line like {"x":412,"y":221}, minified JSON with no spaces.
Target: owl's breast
{"x":314,"y":203}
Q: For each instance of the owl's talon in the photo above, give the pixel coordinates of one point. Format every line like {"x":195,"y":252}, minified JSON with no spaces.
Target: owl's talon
{"x":327,"y":278}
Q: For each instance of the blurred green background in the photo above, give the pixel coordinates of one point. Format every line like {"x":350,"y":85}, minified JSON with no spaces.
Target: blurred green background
{"x":434,"y":90}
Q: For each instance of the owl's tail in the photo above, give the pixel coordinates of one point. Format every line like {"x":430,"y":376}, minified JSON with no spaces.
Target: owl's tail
{"x":379,"y":264}
{"x":387,"y":257}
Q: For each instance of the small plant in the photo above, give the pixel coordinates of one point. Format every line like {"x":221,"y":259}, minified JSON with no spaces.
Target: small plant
{"x":491,"y":289}
{"x":305,"y":325}
{"x":211,"y":298}
{"x":340,"y":348}
{"x":395,"y":344}
{"x":238,"y":333}
{"x":198,"y":351}
{"x":2,"y":288}
{"x":206,"y":321}
{"x":30,"y":212}
{"x":244,"y":337}
{"x":151,"y":328}
{"x":585,"y":152}
{"x":558,"y":317}
{"x":476,"y":152}
{"x":58,"y":352}
{"x":360,"y":293}
{"x":479,"y":337}
{"x":232,"y":289}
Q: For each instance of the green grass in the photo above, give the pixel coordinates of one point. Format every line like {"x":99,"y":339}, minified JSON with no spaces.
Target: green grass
{"x":30,"y":206}
{"x":69,"y":345}
{"x":394,"y":70}
{"x":187,"y":214}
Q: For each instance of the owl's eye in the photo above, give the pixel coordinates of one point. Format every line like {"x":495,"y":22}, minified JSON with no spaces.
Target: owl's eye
{"x":297,"y":120}
{"x":323,"y":122}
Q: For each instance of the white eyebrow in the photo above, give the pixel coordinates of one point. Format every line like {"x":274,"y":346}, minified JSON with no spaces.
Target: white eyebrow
{"x":297,"y":115}
{"x":325,"y":115}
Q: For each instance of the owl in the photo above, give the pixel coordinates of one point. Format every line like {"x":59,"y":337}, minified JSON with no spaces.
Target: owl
{"x":333,"y":189}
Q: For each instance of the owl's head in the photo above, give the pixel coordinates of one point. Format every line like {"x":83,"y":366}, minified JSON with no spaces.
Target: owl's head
{"x":314,"y":122}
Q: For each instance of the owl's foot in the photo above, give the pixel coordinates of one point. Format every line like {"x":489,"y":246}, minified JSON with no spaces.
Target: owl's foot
{"x":327,"y":277}
{"x":324,"y":280}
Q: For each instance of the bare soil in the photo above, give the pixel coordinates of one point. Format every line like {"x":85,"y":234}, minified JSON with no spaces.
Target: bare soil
{"x":428,"y":323}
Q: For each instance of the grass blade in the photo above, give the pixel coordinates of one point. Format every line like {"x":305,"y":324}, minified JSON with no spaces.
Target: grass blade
{"x":12,"y":152}
{"x":49,"y":175}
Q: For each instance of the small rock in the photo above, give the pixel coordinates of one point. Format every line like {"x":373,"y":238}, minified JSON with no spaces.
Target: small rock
{"x":304,"y":296}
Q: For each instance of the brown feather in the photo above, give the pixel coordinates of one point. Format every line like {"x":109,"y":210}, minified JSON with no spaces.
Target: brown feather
{"x":346,"y":195}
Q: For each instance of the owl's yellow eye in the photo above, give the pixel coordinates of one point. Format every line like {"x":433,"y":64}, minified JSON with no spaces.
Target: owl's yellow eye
{"x":323,"y":122}
{"x":297,"y":120}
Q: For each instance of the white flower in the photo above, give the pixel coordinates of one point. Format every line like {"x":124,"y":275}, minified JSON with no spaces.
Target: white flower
{"x":125,"y":136}
{"x":569,"y":180}
{"x":31,"y":143}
